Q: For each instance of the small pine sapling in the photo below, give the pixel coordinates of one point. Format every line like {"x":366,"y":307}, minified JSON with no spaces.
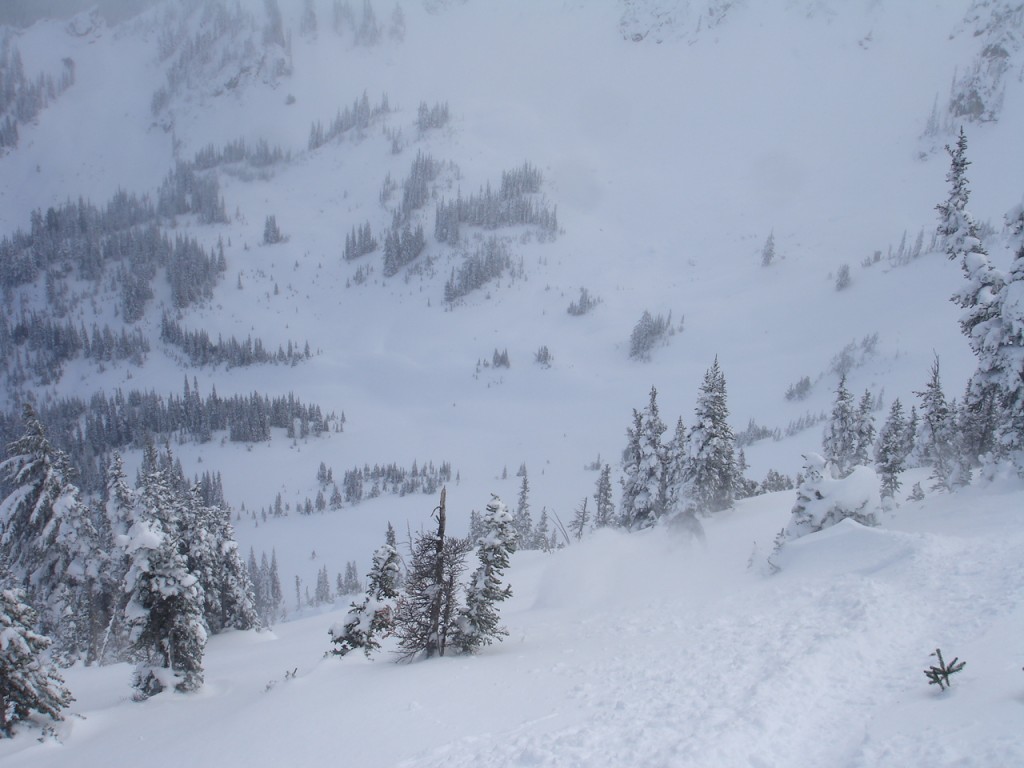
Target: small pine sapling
{"x":939,"y":675}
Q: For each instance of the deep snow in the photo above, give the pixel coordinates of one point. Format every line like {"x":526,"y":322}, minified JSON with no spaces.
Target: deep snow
{"x":670,"y":163}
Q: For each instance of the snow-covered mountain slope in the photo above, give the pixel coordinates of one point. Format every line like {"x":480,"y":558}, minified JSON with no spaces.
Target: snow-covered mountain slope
{"x":636,"y":649}
{"x":673,"y":137}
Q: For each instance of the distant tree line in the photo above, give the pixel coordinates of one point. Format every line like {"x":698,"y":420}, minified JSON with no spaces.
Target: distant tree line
{"x":82,"y":238}
{"x":368,"y":482}
{"x":36,"y":347}
{"x":89,"y":430}
{"x":230,"y":352}
{"x":258,"y":155}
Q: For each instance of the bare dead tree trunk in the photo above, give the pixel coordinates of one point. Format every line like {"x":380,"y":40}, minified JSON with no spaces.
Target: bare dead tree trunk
{"x":434,"y":645}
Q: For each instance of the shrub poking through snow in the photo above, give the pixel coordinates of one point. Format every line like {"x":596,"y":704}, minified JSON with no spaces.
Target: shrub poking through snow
{"x":939,"y":675}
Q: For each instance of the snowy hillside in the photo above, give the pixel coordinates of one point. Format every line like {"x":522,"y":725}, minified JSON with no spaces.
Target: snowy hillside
{"x":507,"y":159}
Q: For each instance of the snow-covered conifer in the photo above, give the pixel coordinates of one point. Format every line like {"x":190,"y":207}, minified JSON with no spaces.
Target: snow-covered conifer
{"x":165,"y":602}
{"x":824,"y":499}
{"x":936,"y":434}
{"x":676,"y":459}
{"x":840,"y":440}
{"x":604,"y":504}
{"x":523,"y":520}
{"x":28,"y":681}
{"x":478,"y":623}
{"x":891,"y":452}
{"x":372,"y":618}
{"x":712,"y":475}
{"x":643,"y":468}
{"x":865,"y":423}
{"x":428,"y":606}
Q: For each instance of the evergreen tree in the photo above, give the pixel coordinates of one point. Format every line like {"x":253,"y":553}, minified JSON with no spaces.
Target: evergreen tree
{"x":523,"y":520}
{"x":1003,"y":370}
{"x":580,"y":520}
{"x":49,"y":544}
{"x":372,"y":618}
{"x":165,"y":601}
{"x":478,"y":622}
{"x":712,"y":475}
{"x":891,"y":452}
{"x":542,"y":532}
{"x":643,"y":468}
{"x":981,"y":299}
{"x":936,"y":434}
{"x":768,"y":251}
{"x":865,"y":430}
{"x":676,"y":459}
{"x":428,"y":607}
{"x":824,"y":499}
{"x":957,"y":227}
{"x":840,"y":441}
{"x":604,"y":504}
{"x":28,"y":681}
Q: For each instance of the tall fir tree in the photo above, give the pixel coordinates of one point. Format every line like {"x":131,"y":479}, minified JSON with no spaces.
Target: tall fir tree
{"x":29,"y":682}
{"x":643,"y":468}
{"x":428,"y":606}
{"x":523,"y":520}
{"x":676,"y":460}
{"x":479,"y":622}
{"x":936,"y":434}
{"x":865,"y":426}
{"x":49,"y":542}
{"x":164,"y":611}
{"x":604,"y":503}
{"x":712,"y":475}
{"x":372,"y":618}
{"x":840,"y":441}
{"x":891,"y":452}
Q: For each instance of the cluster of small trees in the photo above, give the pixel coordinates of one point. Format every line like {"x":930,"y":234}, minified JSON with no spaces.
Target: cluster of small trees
{"x":402,"y":244}
{"x":488,"y":262}
{"x":357,"y":117}
{"x":120,"y":244}
{"x":23,"y":98}
{"x":359,"y":242}
{"x":431,"y":118}
{"x":648,"y":332}
{"x":230,"y":352}
{"x":434,"y":612}
{"x":221,"y":41}
{"x":258,"y":155}
{"x":367,"y":31}
{"x":142,"y":574}
{"x":186,"y":190}
{"x":38,"y":347}
{"x":859,"y":470}
{"x":694,"y":472}
{"x":369,"y":482}
{"x":583,"y":304}
{"x":513,"y":204}
{"x":529,"y":535}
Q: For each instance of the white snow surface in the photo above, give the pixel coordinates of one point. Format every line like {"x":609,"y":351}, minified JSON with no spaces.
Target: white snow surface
{"x":670,"y":163}
{"x":635,"y":649}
